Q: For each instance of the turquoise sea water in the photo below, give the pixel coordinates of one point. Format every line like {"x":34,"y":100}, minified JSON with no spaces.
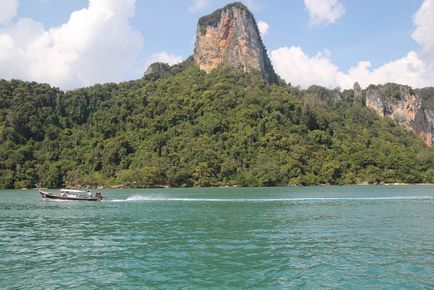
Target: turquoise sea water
{"x":353,"y":237}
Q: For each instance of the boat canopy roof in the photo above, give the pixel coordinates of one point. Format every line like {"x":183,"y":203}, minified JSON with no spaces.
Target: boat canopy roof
{"x":72,"y":190}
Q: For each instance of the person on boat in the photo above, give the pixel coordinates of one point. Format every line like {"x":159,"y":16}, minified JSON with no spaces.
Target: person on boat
{"x":89,"y":194}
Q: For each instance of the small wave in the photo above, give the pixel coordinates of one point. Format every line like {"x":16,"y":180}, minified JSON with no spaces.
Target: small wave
{"x":138,"y":198}
{"x":142,"y":198}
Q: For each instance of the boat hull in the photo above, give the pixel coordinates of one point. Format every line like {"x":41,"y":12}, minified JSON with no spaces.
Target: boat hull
{"x":58,"y":197}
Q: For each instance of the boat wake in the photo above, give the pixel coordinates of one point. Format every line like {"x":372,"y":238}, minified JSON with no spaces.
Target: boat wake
{"x":142,"y":198}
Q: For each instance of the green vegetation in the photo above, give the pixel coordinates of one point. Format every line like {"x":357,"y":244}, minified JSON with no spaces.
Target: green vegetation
{"x":427,"y":95}
{"x":392,"y":92}
{"x":188,"y":128}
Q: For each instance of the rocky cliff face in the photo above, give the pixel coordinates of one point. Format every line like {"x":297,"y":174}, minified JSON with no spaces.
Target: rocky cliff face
{"x":157,"y":68}
{"x":230,"y":37}
{"x":358,"y":94}
{"x":430,"y":118}
{"x":402,"y":105}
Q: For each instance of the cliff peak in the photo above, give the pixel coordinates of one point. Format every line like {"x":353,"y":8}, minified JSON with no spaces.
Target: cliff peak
{"x":230,"y":37}
{"x":157,"y":68}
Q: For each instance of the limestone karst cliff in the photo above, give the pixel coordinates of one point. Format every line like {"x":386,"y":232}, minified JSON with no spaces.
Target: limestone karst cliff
{"x":230,"y":37}
{"x":404,"y":105}
{"x":400,"y":103}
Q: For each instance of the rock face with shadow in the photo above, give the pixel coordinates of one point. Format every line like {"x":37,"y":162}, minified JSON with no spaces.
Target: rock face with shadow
{"x":401,"y":103}
{"x":157,"y":68}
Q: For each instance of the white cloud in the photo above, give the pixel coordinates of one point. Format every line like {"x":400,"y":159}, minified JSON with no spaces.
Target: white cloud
{"x":8,"y":9}
{"x":424,"y":33}
{"x":414,"y":69}
{"x":409,"y":70}
{"x":97,"y":44}
{"x":198,"y":5}
{"x":164,"y":57}
{"x":293,"y":65}
{"x":298,"y":68}
{"x":263,"y":28}
{"x":324,"y":11}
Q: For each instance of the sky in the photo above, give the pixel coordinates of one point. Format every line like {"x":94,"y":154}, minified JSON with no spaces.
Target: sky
{"x":332,"y":43}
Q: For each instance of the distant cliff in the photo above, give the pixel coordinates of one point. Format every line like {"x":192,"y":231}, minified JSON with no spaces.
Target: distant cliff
{"x":157,"y":68}
{"x":402,"y":104}
{"x":230,"y":37}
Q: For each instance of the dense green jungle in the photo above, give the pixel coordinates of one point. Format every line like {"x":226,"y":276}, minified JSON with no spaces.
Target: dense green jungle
{"x":184,"y":128}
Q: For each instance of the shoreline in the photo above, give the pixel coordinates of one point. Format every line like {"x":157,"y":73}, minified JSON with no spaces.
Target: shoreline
{"x":228,"y":186}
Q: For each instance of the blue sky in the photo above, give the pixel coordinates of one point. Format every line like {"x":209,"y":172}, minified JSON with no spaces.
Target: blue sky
{"x":326,"y":42}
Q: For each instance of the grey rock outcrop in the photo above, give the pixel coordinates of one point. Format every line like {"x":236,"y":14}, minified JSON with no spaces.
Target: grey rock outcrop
{"x":374,"y":100}
{"x":230,"y":37}
{"x":400,"y":103}
{"x":358,"y":94}
{"x":157,"y":68}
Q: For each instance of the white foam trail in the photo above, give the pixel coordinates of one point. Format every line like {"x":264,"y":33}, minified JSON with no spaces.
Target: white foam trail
{"x":136,"y":198}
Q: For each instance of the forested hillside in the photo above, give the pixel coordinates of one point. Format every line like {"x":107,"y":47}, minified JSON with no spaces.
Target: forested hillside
{"x":189,"y":128}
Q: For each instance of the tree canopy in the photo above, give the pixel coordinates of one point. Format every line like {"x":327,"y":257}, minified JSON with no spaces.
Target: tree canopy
{"x":189,"y":128}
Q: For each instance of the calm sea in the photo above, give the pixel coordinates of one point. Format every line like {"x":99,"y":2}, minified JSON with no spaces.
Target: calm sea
{"x":354,"y":237}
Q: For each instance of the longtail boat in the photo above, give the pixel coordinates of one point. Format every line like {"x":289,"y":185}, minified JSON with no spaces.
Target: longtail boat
{"x":71,"y":194}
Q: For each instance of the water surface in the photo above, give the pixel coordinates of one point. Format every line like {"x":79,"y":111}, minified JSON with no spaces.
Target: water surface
{"x":311,"y":237}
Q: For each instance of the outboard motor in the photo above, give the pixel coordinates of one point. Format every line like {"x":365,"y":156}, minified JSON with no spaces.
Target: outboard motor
{"x":98,"y":196}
